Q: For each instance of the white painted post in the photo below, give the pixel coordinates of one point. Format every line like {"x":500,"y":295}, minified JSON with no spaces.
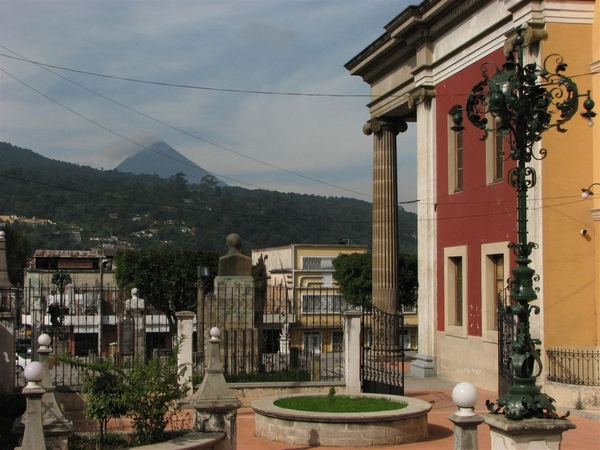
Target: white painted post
{"x":352,"y":350}
{"x":185,"y":329}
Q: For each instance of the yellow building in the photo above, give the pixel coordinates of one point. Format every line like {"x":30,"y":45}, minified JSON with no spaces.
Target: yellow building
{"x":303,"y":302}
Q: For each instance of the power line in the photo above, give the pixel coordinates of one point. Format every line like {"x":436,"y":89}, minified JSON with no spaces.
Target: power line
{"x":185,"y":86}
{"x":186,"y":133}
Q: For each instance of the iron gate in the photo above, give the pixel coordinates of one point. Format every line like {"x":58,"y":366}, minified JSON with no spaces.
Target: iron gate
{"x":382,"y":353}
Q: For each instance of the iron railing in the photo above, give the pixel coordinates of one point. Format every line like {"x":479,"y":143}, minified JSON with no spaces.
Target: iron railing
{"x":573,"y":366}
{"x":277,"y":333}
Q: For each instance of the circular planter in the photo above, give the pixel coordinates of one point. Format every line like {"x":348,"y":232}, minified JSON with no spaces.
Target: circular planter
{"x":400,"y":426}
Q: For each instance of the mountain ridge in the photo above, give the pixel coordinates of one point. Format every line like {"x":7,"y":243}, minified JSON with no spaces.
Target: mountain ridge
{"x":149,"y":211}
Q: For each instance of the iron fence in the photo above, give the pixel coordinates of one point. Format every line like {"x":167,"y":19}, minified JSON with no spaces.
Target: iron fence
{"x":573,"y":366}
{"x":276,"y":333}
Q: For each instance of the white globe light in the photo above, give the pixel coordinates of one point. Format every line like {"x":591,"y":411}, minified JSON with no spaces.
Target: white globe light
{"x":34,"y":372}
{"x":465,"y":396}
{"x":44,"y":340}
{"x":215,"y":333}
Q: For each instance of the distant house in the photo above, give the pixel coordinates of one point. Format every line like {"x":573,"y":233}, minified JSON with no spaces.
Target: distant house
{"x":302,"y":296}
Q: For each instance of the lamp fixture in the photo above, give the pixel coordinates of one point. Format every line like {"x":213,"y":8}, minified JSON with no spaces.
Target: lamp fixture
{"x":585,"y":193}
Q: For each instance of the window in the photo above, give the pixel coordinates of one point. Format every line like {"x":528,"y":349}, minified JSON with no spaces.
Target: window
{"x":494,"y":273}
{"x":455,"y":290}
{"x":317,"y":262}
{"x":456,"y":267}
{"x":321,"y":303}
{"x":455,"y":160}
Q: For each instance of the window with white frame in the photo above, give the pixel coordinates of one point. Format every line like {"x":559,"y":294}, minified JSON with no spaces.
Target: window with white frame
{"x":494,"y":275}
{"x":455,"y":290}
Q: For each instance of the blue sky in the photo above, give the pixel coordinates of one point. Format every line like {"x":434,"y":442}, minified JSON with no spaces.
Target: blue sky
{"x":289,"y":143}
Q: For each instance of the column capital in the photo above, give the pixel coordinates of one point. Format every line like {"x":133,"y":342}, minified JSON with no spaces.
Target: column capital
{"x":392,"y":124}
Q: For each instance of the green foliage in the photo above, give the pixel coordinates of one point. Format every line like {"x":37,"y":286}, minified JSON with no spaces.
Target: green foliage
{"x":283,"y":375}
{"x":408,"y":285}
{"x":331,"y":394}
{"x":144,"y":392}
{"x":343,"y":404}
{"x":166,"y":278}
{"x":84,"y":199}
{"x":353,"y":274}
{"x":105,"y":386}
{"x":17,"y":253}
{"x":152,"y":389}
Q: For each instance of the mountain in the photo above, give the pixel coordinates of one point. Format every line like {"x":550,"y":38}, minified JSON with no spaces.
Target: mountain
{"x":149,"y":211}
{"x":163,"y":160}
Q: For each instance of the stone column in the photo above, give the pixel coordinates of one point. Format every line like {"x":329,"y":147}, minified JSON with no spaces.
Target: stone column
{"x":352,"y":351}
{"x":385,"y":211}
{"x":185,"y":329}
{"x":424,"y":363}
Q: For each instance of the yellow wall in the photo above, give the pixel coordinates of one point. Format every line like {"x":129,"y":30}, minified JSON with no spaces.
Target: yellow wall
{"x":569,"y":277}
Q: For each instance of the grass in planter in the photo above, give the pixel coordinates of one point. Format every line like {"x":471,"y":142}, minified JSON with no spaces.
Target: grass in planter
{"x":339,"y":404}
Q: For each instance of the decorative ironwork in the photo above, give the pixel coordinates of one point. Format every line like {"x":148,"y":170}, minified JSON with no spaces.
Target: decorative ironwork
{"x":579,"y":367}
{"x":524,"y":101}
{"x":382,"y":356}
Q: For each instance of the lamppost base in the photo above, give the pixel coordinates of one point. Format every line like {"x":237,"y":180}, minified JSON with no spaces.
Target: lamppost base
{"x":525,"y":401}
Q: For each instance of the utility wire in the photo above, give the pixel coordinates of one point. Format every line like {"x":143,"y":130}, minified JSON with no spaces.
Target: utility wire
{"x":189,"y":134}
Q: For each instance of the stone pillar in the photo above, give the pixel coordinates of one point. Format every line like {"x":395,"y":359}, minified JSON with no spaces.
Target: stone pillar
{"x":352,"y":351}
{"x":31,"y":422}
{"x":465,"y":431}
{"x":214,"y":404}
{"x":542,"y":434}
{"x":185,"y":330}
{"x":424,"y":364}
{"x":136,"y":308}
{"x":385,"y":211}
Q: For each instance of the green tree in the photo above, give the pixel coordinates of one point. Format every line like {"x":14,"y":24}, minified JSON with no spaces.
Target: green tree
{"x":152,"y":389}
{"x":166,"y":279}
{"x":105,"y":387}
{"x":408,"y":286}
{"x":352,"y":271}
{"x":17,"y":253}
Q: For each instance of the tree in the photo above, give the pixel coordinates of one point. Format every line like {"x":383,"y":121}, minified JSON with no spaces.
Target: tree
{"x":166,"y":279}
{"x":408,"y":285}
{"x":17,"y":253}
{"x":352,"y":271}
{"x":152,"y":389}
{"x":105,"y":387}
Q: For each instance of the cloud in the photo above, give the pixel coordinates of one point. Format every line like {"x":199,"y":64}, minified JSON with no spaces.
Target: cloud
{"x":297,"y":46}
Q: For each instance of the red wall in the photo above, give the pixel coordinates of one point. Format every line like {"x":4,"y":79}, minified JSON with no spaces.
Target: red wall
{"x":479,"y":214}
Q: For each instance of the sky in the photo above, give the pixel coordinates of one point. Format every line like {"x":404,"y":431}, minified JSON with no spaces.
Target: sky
{"x":229,"y":84}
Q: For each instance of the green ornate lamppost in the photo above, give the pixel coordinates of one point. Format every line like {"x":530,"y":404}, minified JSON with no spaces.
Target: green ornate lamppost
{"x":523,"y":101}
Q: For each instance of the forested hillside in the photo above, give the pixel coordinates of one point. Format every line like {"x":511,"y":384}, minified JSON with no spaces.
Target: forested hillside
{"x":147,"y":211}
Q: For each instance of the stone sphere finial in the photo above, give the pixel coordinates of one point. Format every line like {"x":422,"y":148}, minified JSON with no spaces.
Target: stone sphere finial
{"x":214,"y":333}
{"x":2,"y":235}
{"x":465,"y":396}
{"x":34,"y":373}
{"x":234,"y":241}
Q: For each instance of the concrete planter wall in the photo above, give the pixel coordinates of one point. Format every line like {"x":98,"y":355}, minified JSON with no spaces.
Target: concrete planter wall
{"x":342,"y":430}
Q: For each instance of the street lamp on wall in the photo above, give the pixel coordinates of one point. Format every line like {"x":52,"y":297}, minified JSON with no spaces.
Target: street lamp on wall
{"x":524,"y":101}
{"x":585,"y":193}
